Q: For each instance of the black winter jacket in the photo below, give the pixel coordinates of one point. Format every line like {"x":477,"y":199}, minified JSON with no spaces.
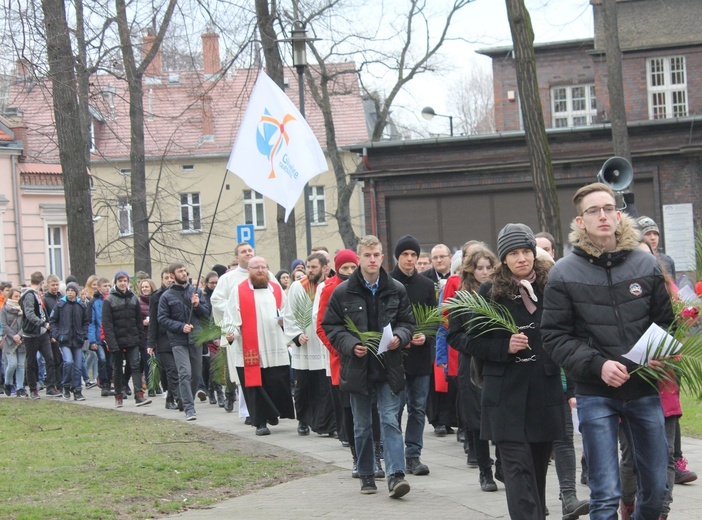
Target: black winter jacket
{"x":597,"y":305}
{"x":158,"y":335}
{"x":69,"y":323}
{"x":174,"y":311}
{"x":34,"y":317}
{"x":121,"y":320}
{"x":418,"y":359}
{"x":369,"y":312}
{"x":522,"y":398}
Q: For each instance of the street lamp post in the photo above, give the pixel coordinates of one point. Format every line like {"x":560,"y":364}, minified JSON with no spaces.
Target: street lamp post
{"x":299,"y":43}
{"x":428,"y":114}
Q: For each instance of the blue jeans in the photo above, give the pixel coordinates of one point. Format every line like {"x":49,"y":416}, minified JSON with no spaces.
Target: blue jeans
{"x":72,"y":365}
{"x":14,"y":371}
{"x":643,"y":422}
{"x":415,"y":396}
{"x":388,"y":408}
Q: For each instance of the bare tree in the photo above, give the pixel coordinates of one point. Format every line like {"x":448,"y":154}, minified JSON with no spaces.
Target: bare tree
{"x":472,"y":99}
{"x":534,"y":128}
{"x":71,"y":140}
{"x":134,"y":75}
{"x":397,"y":51}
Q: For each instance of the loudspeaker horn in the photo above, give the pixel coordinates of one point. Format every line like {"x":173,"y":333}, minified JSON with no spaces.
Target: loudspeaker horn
{"x":617,"y":173}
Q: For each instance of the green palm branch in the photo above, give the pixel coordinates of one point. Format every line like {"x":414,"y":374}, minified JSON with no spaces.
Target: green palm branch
{"x":302,"y":310}
{"x":427,"y":319}
{"x":685,"y":364}
{"x":487,"y":315}
{"x":219,"y":370}
{"x":369,"y":339}
{"x":154,"y":374}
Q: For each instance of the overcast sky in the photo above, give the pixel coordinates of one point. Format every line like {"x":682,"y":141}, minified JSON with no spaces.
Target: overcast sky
{"x":485,"y":24}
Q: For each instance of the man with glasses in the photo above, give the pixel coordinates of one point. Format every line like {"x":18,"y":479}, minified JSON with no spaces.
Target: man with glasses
{"x":440,"y":266}
{"x":261,"y":356}
{"x":598,"y":302}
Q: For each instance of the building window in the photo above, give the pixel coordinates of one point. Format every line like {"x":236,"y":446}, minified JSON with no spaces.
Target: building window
{"x":573,"y":106}
{"x":188,"y":167}
{"x":253,"y":209}
{"x":319,"y":206}
{"x":190,"y":212}
{"x":55,"y":245}
{"x":124,"y":215}
{"x":667,"y":87}
{"x":125,"y":171}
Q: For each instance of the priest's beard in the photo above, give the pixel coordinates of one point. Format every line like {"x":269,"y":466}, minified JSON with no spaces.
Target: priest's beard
{"x":314,"y":280}
{"x":259,"y":280}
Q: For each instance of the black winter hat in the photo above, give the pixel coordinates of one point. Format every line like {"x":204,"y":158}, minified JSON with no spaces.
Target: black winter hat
{"x":219,"y":269}
{"x":407,"y":243}
{"x":515,"y":236}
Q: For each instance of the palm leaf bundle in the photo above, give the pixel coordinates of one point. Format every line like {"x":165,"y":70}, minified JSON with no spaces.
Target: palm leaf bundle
{"x":302,"y":306}
{"x":685,"y":365}
{"x":219,"y":370}
{"x":154,"y":379}
{"x":427,"y":319}
{"x":698,"y":253}
{"x":369,"y":339}
{"x":487,"y":315}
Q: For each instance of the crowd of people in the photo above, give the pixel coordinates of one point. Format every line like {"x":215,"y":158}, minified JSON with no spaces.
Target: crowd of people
{"x":335,"y":344}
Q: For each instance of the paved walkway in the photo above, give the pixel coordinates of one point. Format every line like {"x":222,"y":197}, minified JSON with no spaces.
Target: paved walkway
{"x":451,"y":490}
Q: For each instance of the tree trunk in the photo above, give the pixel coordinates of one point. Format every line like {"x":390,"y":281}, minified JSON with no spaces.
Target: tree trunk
{"x":533,"y":116}
{"x":134,"y":75}
{"x":287,"y":235}
{"x":76,"y":182}
{"x":345,"y":186}
{"x":615,"y":82}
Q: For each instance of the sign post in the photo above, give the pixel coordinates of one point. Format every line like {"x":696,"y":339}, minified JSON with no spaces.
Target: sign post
{"x":245,"y":233}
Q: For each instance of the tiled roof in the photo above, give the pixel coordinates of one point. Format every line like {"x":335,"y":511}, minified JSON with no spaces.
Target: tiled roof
{"x":40,"y":168}
{"x":5,"y":137}
{"x":40,"y":174}
{"x":174,"y":120}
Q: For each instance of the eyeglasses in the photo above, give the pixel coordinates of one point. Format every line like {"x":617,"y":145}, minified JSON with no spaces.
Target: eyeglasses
{"x":594,"y":211}
{"x":261,"y":268}
{"x":440,"y":257}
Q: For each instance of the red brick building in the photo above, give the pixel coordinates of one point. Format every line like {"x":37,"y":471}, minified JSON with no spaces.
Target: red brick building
{"x":455,"y":189}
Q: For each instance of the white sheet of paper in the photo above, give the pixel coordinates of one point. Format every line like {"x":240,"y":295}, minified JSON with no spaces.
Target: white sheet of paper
{"x":653,"y":336}
{"x":687,"y":294}
{"x":385,"y":339}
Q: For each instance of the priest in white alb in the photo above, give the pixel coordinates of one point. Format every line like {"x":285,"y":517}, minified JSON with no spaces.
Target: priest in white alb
{"x":261,"y":356}
{"x":310,"y":358}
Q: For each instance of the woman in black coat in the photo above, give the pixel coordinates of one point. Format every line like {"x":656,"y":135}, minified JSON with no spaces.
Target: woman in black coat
{"x":522,"y":399}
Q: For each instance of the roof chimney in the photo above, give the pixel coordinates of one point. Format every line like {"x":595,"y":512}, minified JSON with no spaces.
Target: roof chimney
{"x":210,"y":53}
{"x":155,"y":68}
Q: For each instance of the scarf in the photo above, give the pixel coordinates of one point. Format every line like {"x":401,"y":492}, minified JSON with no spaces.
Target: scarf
{"x":14,"y":305}
{"x":527,"y":291}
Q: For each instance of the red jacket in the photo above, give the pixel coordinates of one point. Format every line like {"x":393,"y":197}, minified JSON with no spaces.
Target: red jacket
{"x":334,"y":361}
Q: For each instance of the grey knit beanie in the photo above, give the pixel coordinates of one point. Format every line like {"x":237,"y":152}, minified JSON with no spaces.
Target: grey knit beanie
{"x":515,"y":236}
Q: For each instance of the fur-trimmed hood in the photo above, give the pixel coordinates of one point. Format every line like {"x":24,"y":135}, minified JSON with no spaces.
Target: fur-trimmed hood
{"x":628,"y":237}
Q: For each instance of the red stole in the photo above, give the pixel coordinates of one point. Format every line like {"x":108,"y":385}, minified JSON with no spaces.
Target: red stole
{"x":249,"y":331}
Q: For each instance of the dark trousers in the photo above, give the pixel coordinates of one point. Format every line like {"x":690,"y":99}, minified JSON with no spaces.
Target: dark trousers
{"x":524,"y":466}
{"x":58,"y":361}
{"x":170,"y":375}
{"x":133,"y":359}
{"x":40,"y":344}
{"x":313,"y":404}
{"x":564,"y":453}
